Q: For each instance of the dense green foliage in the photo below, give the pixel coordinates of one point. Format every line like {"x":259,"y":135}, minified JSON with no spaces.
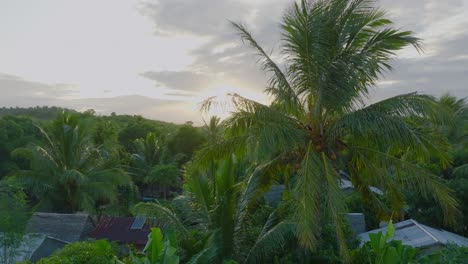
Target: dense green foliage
{"x":15,"y":132}
{"x":207,"y":184}
{"x":14,"y":215}
{"x":98,"y":252}
{"x":44,"y":112}
{"x":157,"y":251}
{"x":455,"y":174}
{"x":452,"y":254}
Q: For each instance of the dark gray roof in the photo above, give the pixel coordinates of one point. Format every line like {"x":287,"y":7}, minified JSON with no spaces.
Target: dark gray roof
{"x":418,"y":235}
{"x":357,"y":222}
{"x":23,"y":251}
{"x":64,"y":227}
{"x":48,"y":246}
{"x":34,"y":246}
{"x":348,"y":185}
{"x":273,"y":196}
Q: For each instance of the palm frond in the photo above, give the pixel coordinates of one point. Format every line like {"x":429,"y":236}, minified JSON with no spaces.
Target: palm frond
{"x":199,"y":186}
{"x":307,"y":199}
{"x":335,"y":50}
{"x":164,"y":215}
{"x":461,"y":171}
{"x":411,"y":177}
{"x":399,"y":121}
{"x":285,"y":97}
{"x":207,"y":255}
{"x":267,"y":130}
{"x":258,"y":183}
{"x":335,"y":205}
{"x":220,"y":150}
{"x":271,"y":238}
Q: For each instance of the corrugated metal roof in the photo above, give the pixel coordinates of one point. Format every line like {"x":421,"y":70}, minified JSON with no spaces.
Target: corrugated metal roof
{"x":119,"y":229}
{"x":274,"y":195}
{"x":412,"y":233}
{"x":65,"y":227}
{"x":48,"y":246}
{"x":34,"y":246}
{"x":347,"y":185}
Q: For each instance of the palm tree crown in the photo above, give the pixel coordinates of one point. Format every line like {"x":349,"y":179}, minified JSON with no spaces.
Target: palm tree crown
{"x":68,"y":173}
{"x":318,"y":123}
{"x":147,"y":155}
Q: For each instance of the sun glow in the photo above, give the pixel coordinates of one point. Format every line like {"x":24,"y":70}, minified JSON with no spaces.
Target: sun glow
{"x":222,"y":98}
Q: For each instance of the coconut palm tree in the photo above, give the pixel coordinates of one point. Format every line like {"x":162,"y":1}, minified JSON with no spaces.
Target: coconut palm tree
{"x":318,"y":122}
{"x":67,"y":173}
{"x":147,"y":155}
{"x":213,"y":129}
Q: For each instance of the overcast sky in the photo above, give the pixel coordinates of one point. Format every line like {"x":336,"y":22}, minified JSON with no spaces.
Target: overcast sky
{"x":161,"y":58}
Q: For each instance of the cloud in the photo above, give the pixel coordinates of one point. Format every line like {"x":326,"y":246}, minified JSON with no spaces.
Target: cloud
{"x":180,"y":80}
{"x":222,"y":60}
{"x":419,"y":15}
{"x":201,"y":17}
{"x":217,"y":59}
{"x":16,"y":91}
{"x":444,"y":72}
{"x":442,"y":25}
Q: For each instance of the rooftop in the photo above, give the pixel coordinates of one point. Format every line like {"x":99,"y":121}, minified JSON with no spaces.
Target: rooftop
{"x":34,"y":246}
{"x":64,"y":227}
{"x":126,"y":230}
{"x":418,"y":235}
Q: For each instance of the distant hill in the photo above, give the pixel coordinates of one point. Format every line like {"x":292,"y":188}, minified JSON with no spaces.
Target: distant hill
{"x":46,"y":113}
{"x":38,"y":112}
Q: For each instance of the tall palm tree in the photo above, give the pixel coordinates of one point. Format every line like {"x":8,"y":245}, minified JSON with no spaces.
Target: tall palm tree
{"x":213,"y":129}
{"x":147,"y":155}
{"x":67,"y":173}
{"x":318,"y":122}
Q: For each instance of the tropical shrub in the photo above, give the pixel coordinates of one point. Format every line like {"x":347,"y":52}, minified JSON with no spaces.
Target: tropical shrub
{"x":157,"y":251}
{"x":452,"y":254}
{"x":14,"y":215}
{"x":98,"y":252}
{"x":380,"y":251}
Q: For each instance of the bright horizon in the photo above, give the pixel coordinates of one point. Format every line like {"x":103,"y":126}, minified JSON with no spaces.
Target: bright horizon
{"x":160,"y":59}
